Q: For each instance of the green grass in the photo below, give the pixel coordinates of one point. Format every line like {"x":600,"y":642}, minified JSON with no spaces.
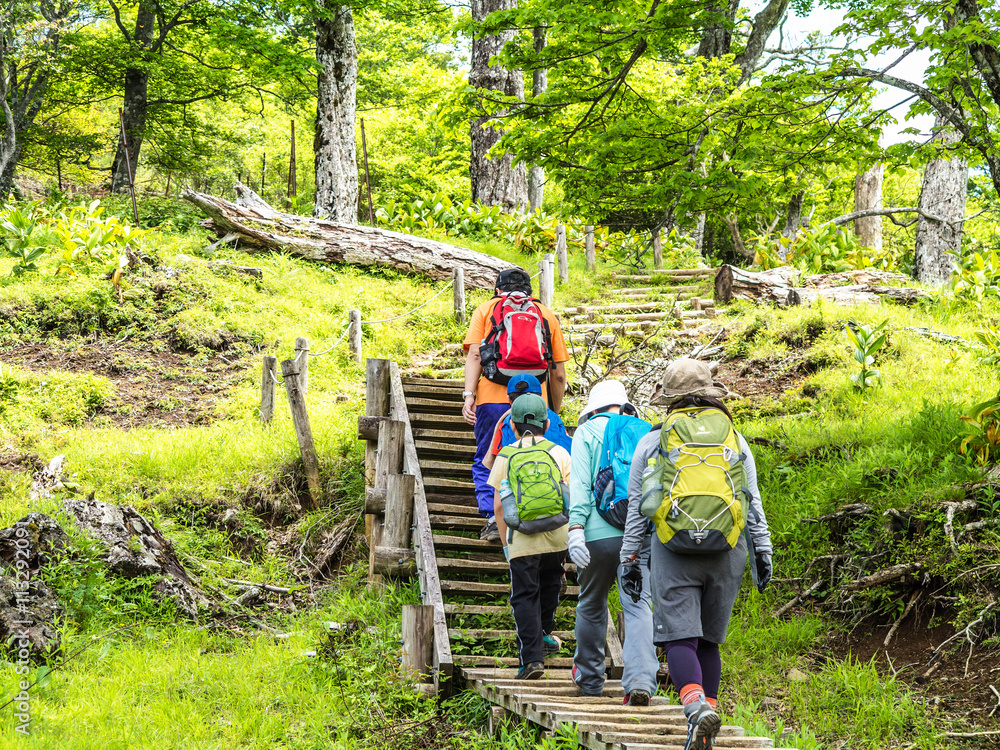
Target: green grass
{"x":170,"y":685}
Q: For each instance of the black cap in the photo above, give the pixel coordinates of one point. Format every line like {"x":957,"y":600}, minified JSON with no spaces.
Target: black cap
{"x":514,"y":280}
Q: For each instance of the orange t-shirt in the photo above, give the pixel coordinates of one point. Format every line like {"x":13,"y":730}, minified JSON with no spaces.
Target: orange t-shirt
{"x":488,"y":392}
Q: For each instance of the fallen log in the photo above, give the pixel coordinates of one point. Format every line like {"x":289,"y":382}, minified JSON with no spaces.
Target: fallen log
{"x":733,"y":282}
{"x":786,"y":286}
{"x":258,"y":226}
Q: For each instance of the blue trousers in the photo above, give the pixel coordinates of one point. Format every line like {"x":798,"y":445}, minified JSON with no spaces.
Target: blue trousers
{"x":487,"y":416}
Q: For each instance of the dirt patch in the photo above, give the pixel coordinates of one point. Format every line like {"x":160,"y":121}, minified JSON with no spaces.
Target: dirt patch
{"x":29,"y":462}
{"x":759,"y":380}
{"x":960,"y":686}
{"x":152,"y":388}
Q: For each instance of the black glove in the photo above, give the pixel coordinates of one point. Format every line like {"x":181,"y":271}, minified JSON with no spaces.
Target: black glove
{"x":631,"y":582}
{"x":764,"y":571}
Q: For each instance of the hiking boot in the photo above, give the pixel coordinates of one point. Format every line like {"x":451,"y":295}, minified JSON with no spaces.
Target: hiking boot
{"x":637,"y":698}
{"x":531,"y":671}
{"x":703,"y":726}
{"x":490,"y":531}
{"x":551,"y":644}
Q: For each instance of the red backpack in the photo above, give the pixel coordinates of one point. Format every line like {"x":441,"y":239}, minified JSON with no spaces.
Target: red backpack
{"x":518,"y":341}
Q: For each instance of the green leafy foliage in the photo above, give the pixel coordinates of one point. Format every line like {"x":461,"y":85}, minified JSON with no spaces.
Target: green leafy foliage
{"x":983,"y":425}
{"x":825,"y":249}
{"x":867,"y":340}
{"x":976,"y":274}
{"x":18,"y":226}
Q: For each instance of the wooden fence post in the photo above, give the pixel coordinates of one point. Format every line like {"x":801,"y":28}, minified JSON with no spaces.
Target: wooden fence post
{"x":302,"y":360}
{"x":268,"y":386}
{"x":388,"y":461}
{"x":545,"y":281}
{"x":354,"y":333}
{"x":657,"y":249}
{"x":588,"y":232}
{"x":377,"y":392}
{"x":458,"y":293}
{"x":297,"y":403}
{"x":418,"y":642}
{"x":561,"y":252}
{"x":394,"y":557}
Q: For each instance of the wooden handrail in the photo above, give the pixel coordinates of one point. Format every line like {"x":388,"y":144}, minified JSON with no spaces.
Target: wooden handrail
{"x":423,"y":543}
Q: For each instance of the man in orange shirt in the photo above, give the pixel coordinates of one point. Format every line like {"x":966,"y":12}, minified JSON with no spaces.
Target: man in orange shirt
{"x":506,"y":336}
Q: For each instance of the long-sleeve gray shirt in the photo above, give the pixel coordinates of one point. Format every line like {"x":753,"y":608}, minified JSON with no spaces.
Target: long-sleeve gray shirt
{"x":636,"y":524}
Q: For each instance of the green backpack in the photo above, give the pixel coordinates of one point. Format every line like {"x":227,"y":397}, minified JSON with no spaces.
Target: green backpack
{"x":695,"y":488}
{"x":540,"y":495}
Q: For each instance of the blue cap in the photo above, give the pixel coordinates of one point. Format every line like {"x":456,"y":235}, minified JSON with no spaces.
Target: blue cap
{"x":530,"y":384}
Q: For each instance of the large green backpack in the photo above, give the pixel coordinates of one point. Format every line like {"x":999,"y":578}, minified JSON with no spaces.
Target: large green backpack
{"x":695,"y":488}
{"x":536,"y":481}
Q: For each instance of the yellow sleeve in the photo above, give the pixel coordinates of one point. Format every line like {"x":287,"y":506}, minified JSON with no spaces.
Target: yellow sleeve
{"x":562,"y":459}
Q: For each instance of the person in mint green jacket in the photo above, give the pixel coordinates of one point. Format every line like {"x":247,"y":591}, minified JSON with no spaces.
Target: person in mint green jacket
{"x":594,"y":547}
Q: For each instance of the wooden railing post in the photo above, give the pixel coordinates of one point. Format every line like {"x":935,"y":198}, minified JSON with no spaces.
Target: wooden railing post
{"x":388,"y":461}
{"x":393,"y":557}
{"x":303,"y":431}
{"x":562,"y":254}
{"x":657,"y":248}
{"x":354,"y":333}
{"x":545,"y":280}
{"x":302,"y":359}
{"x":458,"y":293}
{"x":418,"y":642}
{"x":588,"y":232}
{"x":268,"y":386}
{"x":377,"y":394}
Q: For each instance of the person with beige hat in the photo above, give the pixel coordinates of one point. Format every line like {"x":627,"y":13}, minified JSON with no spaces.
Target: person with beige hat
{"x":682,"y":473}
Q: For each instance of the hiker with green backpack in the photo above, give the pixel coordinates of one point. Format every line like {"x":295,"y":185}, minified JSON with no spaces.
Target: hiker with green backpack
{"x":531,"y":497}
{"x":695,"y":478}
{"x":603,"y":444}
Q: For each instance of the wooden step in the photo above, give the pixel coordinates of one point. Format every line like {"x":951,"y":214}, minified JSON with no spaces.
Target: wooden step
{"x":451,"y":395}
{"x":461,"y":436}
{"x":454,"y":509}
{"x":452,"y":542}
{"x":486,"y":634}
{"x":476,"y":660}
{"x":616,"y":317}
{"x":433,"y":466}
{"x":460,"y":565}
{"x":443,"y":486}
{"x":646,"y":290}
{"x":456,"y":523}
{"x":449,"y":422}
{"x":417,"y":405}
{"x":493,"y":609}
{"x":452,"y":383}
{"x":431,"y":449}
{"x":477,"y":588}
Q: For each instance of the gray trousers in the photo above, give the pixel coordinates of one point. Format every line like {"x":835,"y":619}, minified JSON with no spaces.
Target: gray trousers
{"x":596,"y":579}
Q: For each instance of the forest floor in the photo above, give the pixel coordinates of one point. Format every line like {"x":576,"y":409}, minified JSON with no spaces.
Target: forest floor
{"x":153,"y":403}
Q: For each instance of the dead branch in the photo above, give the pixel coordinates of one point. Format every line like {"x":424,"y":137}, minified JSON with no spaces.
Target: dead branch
{"x":895,"y":626}
{"x":886,"y":575}
{"x":782,"y":611}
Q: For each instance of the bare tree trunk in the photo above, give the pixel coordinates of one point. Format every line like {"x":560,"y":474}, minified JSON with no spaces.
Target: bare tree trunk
{"x":867,"y":195}
{"x":793,"y":218}
{"x":334,"y":146}
{"x":942,"y":194}
{"x":539,"y":82}
{"x":734,"y":230}
{"x":496,"y":181}
{"x":135,"y":101}
{"x":718,"y":38}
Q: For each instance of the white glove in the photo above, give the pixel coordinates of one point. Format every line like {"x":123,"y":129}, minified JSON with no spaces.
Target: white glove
{"x":578,"y":551}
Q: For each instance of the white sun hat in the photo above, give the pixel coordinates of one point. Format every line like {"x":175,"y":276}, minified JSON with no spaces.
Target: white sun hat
{"x":605,"y":393}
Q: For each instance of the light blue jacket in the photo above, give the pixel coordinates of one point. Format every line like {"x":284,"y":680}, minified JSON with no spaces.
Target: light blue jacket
{"x":585,"y":460}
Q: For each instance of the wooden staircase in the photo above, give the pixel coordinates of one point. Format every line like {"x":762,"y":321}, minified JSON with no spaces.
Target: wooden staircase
{"x":464,"y":580}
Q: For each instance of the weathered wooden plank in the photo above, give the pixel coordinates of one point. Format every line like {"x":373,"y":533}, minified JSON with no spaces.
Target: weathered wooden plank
{"x":510,"y":661}
{"x":436,"y":393}
{"x":435,"y":449}
{"x":447,"y":541}
{"x":462,"y":435}
{"x":484,"y":633}
{"x":417,"y":405}
{"x":475,"y":588}
{"x":412,"y":380}
{"x":423,"y":544}
{"x":454,"y":564}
